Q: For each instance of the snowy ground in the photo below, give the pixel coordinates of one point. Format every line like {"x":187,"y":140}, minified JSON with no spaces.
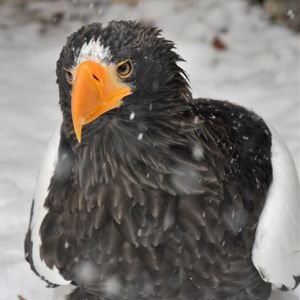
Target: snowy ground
{"x":259,"y":69}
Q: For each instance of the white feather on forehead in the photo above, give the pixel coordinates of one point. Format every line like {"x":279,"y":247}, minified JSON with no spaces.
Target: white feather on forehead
{"x":95,"y":51}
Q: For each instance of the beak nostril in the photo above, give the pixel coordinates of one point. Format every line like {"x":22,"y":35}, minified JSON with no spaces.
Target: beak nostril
{"x":96,"y":77}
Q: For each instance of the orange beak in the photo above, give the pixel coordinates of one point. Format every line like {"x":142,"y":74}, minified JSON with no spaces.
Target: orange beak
{"x":96,"y":90}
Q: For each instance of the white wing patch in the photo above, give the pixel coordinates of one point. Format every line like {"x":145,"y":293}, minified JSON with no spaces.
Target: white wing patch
{"x":276,"y":250}
{"x":93,"y":50}
{"x":40,"y":211}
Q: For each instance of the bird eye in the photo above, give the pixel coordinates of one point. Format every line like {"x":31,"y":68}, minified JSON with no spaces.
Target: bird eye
{"x":68,"y":75}
{"x":125,"y":68}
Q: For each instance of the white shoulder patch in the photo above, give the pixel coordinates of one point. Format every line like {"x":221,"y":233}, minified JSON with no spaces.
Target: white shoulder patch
{"x":93,"y":50}
{"x":276,"y":250}
{"x":40,"y":211}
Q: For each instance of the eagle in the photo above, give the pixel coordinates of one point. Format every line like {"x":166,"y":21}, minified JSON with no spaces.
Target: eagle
{"x":147,"y":193}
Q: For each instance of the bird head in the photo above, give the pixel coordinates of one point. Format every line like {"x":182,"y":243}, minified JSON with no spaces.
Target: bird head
{"x":123,"y":68}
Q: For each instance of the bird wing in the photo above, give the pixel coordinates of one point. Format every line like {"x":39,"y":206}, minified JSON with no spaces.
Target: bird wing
{"x":276,"y":250}
{"x":276,"y":247}
{"x":39,"y":211}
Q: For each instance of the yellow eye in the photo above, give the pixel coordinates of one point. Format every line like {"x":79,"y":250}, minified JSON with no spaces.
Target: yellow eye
{"x":125,"y":68}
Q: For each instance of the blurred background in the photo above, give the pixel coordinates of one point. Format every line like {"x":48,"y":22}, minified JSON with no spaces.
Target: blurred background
{"x":245,"y":51}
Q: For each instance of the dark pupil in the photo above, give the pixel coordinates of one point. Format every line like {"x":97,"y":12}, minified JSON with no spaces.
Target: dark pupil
{"x":124,"y":69}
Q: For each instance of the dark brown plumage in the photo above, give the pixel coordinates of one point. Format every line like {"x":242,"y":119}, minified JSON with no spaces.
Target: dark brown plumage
{"x":163,"y":205}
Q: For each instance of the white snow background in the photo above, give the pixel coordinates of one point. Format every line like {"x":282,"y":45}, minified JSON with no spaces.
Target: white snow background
{"x":259,"y":69}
